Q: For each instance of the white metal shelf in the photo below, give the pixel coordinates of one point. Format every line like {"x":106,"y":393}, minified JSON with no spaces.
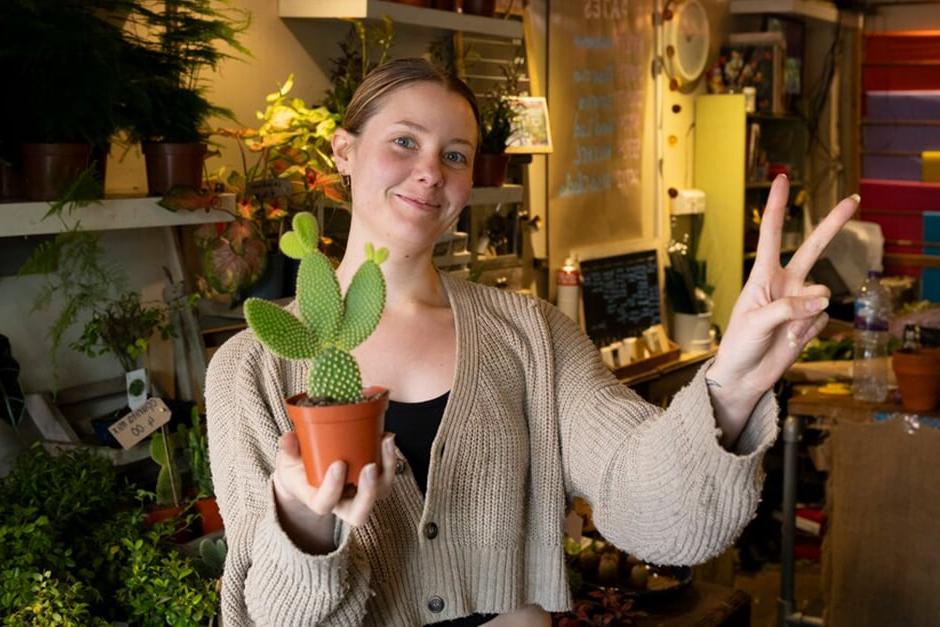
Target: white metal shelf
{"x":400,"y":14}
{"x":496,"y":195}
{"x":107,"y":215}
{"x":810,"y":9}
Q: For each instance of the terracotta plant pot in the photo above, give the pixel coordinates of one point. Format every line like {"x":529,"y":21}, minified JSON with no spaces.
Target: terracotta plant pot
{"x":490,"y":170}
{"x":49,"y":168}
{"x":486,"y":8}
{"x":918,"y":375}
{"x":169,"y":165}
{"x":350,"y":432}
{"x":182,"y":533}
{"x":208,"y":509}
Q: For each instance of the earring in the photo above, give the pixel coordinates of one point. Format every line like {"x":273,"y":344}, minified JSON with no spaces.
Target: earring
{"x":347,"y":181}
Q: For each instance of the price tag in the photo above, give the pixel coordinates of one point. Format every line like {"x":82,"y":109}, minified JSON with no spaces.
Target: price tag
{"x":141,"y":422}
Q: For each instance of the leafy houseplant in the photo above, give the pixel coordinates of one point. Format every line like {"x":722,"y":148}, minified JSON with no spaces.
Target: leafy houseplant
{"x":56,"y":47}
{"x":293,"y":171}
{"x":336,"y":418}
{"x":197,"y":454}
{"x":365,"y":48}
{"x":176,"y":40}
{"x":497,"y":116}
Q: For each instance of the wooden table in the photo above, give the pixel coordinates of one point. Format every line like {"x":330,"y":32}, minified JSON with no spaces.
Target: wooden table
{"x":661,"y":383}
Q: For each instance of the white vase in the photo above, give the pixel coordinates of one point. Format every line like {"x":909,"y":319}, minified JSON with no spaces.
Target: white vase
{"x":692,"y":332}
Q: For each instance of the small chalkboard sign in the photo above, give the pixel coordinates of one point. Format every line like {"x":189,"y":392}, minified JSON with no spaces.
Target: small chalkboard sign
{"x":621,"y":296}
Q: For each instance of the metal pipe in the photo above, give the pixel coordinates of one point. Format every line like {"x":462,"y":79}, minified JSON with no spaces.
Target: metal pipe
{"x":791,"y":437}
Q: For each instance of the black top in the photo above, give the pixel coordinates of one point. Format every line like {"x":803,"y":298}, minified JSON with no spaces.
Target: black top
{"x":414,"y":426}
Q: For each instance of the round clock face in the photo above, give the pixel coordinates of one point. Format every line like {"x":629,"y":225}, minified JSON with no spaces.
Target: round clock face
{"x":688,"y":35}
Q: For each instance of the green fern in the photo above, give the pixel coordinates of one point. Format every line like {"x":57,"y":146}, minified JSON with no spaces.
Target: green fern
{"x":329,"y":325}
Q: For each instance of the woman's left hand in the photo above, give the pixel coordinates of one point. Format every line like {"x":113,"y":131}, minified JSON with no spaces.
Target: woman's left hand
{"x":776,"y":314}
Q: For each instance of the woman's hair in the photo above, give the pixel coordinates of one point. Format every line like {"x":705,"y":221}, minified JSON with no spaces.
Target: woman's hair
{"x":388,"y":77}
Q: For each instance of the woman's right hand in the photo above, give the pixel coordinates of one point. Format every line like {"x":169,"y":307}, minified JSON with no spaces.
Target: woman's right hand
{"x":307,"y":513}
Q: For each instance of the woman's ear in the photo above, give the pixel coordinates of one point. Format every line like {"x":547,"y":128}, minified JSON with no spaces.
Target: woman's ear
{"x":342,"y":150}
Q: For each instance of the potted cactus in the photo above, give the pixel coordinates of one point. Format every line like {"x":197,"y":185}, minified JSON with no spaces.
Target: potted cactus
{"x":335,"y":418}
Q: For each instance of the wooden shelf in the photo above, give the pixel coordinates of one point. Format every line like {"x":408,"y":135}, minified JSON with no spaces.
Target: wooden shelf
{"x":809,"y":9}
{"x":400,"y":14}
{"x":496,"y":195}
{"x":106,"y":215}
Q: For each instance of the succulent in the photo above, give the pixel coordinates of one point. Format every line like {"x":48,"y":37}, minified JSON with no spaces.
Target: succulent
{"x":330,"y":325}
{"x":212,"y":557}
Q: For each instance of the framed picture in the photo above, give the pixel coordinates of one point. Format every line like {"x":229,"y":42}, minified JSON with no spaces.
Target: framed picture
{"x":531,"y":131}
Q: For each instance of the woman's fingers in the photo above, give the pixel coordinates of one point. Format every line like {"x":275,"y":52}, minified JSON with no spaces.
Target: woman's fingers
{"x":807,"y":254}
{"x":771,"y":225}
{"x":787,"y":309}
{"x":389,"y":462}
{"x":331,"y":488}
{"x":798,"y":328}
{"x":358,"y":511}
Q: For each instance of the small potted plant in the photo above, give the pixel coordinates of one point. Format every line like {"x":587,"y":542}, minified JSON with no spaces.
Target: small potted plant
{"x":197,"y":451}
{"x":175,"y":41}
{"x":497,"y":115}
{"x":335,"y":418}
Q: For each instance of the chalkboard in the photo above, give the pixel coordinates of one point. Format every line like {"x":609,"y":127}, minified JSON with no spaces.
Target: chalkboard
{"x":599,"y":85}
{"x":621,"y":296}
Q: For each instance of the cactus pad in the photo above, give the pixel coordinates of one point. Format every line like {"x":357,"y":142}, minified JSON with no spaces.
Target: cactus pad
{"x":329,"y":325}
{"x":334,"y":374}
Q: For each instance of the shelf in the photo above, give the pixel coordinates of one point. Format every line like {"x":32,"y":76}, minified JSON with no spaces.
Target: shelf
{"x":400,"y":14}
{"x":767,"y":184}
{"x":809,"y":9}
{"x":496,"y":195}
{"x":26,"y":218}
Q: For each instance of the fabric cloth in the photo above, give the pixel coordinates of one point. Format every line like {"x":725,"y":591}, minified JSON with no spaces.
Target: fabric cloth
{"x":533,"y":418}
{"x":415,"y":426}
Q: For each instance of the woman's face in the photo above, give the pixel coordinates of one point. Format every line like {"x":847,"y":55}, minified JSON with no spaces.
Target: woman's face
{"x":411,"y":166}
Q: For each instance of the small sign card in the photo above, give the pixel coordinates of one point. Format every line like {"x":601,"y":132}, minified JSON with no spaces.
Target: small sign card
{"x":141,"y":422}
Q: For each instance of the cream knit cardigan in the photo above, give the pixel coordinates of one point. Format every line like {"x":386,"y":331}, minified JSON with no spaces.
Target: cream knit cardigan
{"x":533,"y":419}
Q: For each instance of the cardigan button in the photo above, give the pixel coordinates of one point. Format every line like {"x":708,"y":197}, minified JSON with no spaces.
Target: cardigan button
{"x":430,"y":531}
{"x":400,"y":466}
{"x":436,"y":604}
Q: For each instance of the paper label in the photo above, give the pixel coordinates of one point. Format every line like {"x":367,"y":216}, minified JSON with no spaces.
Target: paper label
{"x":140,"y":423}
{"x":270,"y":188}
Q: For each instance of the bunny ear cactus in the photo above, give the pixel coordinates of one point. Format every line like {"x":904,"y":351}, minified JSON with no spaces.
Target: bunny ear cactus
{"x":330,"y":325}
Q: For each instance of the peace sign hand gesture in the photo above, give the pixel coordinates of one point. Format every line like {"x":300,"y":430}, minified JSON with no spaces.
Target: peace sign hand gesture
{"x":775,"y":315}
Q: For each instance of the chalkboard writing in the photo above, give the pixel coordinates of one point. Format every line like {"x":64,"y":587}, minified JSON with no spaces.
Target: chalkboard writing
{"x":621,"y":296}
{"x":598,"y":86}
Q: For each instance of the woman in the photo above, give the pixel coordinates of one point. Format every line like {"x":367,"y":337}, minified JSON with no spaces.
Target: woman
{"x":502,"y":411}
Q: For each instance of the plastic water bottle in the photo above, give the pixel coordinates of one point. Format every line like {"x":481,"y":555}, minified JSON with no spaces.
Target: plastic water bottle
{"x":870,"y":367}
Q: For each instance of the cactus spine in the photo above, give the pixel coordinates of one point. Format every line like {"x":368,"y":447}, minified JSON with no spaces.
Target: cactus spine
{"x":329,"y":325}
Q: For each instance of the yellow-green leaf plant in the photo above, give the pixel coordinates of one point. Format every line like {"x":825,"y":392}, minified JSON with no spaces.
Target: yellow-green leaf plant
{"x":329,"y":325}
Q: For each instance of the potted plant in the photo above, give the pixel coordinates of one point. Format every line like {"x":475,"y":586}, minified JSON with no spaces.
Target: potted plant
{"x":197,"y":452}
{"x":688,"y":290}
{"x":364,"y":48}
{"x":335,"y":418}
{"x":918,"y":375}
{"x":65,"y":60}
{"x":497,"y":115}
{"x":175,"y":41}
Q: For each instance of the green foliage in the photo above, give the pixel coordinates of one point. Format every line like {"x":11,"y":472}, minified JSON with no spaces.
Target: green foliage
{"x":73,"y":551}
{"x":56,"y":47}
{"x":175,"y":42}
{"x":497,"y":113}
{"x":834,"y":349}
{"x":163,"y":452}
{"x":197,"y":452}
{"x":366,"y":47}
{"x":124,"y":326}
{"x":68,"y":488}
{"x":328,"y":326}
{"x":164,"y":588}
{"x":55,"y":602}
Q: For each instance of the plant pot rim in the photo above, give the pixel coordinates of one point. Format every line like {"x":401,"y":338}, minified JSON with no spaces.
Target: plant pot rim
{"x":334,"y":413}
